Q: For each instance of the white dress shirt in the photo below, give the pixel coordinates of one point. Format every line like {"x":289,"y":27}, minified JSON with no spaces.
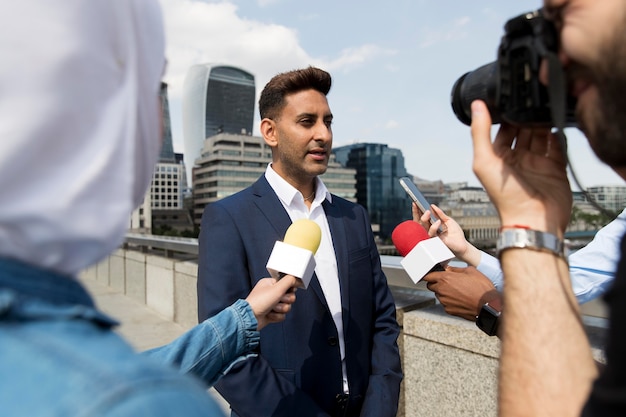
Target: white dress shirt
{"x":325,"y":259}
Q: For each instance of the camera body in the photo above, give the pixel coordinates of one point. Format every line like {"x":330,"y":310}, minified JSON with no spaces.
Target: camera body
{"x":510,"y":85}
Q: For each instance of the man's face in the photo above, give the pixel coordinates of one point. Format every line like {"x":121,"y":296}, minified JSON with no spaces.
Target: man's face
{"x":302,"y":137}
{"x":593,"y":51}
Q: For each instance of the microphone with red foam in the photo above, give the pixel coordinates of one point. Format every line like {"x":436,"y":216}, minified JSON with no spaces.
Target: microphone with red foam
{"x":421,"y":253}
{"x":295,"y":255}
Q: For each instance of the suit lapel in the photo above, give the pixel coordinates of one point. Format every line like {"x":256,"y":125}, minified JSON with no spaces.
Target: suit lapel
{"x":267,"y":201}
{"x":340,"y":243}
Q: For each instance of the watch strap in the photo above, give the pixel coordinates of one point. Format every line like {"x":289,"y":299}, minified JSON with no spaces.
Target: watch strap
{"x":522,"y":238}
{"x":488,"y":319}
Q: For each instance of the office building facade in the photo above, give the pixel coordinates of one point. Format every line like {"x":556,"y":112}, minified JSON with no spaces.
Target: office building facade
{"x":216,"y":99}
{"x":229,"y":163}
{"x":478,"y":219}
{"x":610,"y":197}
{"x":378,"y":169}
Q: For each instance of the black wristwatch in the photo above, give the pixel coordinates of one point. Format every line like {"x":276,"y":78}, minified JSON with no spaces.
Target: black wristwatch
{"x":488,"y":319}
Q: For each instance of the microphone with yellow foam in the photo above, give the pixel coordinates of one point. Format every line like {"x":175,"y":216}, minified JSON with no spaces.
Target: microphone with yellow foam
{"x":295,"y":255}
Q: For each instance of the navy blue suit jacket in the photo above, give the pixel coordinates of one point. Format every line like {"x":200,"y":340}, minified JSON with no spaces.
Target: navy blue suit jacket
{"x":298,"y":369}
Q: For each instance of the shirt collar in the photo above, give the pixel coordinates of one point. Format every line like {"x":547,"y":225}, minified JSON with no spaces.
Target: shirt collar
{"x":287,"y":193}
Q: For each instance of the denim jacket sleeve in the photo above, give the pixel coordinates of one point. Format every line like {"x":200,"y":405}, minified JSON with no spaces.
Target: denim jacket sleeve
{"x":209,"y":349}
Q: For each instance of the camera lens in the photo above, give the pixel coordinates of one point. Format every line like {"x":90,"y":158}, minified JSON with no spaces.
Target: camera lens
{"x":480,"y":84}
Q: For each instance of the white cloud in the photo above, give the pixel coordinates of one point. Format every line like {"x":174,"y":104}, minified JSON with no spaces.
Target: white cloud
{"x":199,"y":32}
{"x":354,"y":57}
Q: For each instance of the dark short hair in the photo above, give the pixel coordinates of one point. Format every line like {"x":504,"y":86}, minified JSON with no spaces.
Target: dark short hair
{"x":272,"y":98}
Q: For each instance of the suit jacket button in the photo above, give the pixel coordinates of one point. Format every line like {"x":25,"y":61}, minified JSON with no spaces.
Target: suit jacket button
{"x":332,"y":341}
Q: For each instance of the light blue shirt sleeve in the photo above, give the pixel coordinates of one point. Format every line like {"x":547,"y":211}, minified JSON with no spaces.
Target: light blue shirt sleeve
{"x":592,"y":268}
{"x":490,"y":267}
{"x":209,"y":349}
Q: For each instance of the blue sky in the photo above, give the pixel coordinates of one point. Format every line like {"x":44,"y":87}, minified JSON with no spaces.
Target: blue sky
{"x":393,"y":64}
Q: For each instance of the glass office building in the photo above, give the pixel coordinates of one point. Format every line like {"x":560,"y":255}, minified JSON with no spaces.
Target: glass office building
{"x":167,"y":148}
{"x":378,"y":169}
{"x":216,"y":99}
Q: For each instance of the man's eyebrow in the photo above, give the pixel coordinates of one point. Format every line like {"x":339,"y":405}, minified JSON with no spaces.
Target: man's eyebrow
{"x":314,"y":115}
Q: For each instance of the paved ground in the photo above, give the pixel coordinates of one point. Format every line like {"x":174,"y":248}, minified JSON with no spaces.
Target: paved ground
{"x":141,"y":326}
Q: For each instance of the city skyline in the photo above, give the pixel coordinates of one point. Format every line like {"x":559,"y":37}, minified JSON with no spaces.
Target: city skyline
{"x":393,"y":65}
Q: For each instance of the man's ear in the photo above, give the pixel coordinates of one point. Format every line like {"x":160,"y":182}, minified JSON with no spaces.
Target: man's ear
{"x":268,"y":131}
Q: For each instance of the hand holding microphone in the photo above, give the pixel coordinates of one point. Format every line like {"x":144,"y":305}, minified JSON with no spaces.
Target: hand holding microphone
{"x":420,"y":252}
{"x":295,"y":255}
{"x":271,"y":300}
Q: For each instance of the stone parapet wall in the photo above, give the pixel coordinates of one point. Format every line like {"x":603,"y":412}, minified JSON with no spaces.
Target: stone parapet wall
{"x":450,"y":366}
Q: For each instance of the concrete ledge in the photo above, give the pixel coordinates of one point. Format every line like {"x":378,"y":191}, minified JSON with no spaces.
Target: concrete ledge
{"x":434,"y":325}
{"x":185,"y":293}
{"x":160,"y":285}
{"x":450,"y":366}
{"x":135,"y":281}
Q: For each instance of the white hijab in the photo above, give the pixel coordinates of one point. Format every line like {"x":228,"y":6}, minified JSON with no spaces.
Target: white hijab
{"x":79,"y":125}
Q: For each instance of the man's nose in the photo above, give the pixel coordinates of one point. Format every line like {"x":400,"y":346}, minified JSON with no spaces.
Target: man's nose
{"x":323,"y":131}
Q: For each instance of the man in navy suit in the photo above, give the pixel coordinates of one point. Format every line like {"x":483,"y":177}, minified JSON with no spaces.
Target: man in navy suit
{"x":336,"y":353}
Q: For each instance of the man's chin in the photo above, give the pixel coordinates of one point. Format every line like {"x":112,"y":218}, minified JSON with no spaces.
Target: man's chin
{"x":319,"y":168}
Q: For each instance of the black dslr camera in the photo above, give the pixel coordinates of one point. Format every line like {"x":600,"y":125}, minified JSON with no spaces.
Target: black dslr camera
{"x":510,"y":85}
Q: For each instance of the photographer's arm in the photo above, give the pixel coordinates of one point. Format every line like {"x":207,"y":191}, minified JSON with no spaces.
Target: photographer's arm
{"x":546,"y":367}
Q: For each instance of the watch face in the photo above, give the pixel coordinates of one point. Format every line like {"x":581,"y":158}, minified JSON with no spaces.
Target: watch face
{"x":488,"y":320}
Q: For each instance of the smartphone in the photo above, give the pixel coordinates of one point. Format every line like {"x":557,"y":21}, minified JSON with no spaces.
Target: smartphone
{"x":419,"y":199}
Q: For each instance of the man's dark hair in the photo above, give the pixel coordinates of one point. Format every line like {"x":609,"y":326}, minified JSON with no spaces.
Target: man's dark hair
{"x":272,"y":98}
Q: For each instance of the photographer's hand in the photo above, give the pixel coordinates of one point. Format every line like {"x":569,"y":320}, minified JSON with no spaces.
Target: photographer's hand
{"x":524,"y":173}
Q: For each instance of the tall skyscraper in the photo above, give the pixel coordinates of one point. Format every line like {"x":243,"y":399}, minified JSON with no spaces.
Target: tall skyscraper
{"x":216,"y":99}
{"x":167,"y":149}
{"x":378,"y":169}
{"x":163,"y":202}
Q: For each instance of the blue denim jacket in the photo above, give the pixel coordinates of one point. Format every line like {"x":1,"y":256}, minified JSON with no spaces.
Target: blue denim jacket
{"x":60,"y":357}
{"x":212,"y":347}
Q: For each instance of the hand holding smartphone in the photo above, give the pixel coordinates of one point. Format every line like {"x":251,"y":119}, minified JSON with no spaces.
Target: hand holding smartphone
{"x":419,"y":199}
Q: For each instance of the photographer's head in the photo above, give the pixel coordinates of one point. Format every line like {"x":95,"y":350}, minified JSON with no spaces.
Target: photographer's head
{"x":593,"y":53}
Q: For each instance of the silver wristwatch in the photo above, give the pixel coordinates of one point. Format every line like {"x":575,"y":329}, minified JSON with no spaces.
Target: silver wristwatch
{"x":530,"y":239}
